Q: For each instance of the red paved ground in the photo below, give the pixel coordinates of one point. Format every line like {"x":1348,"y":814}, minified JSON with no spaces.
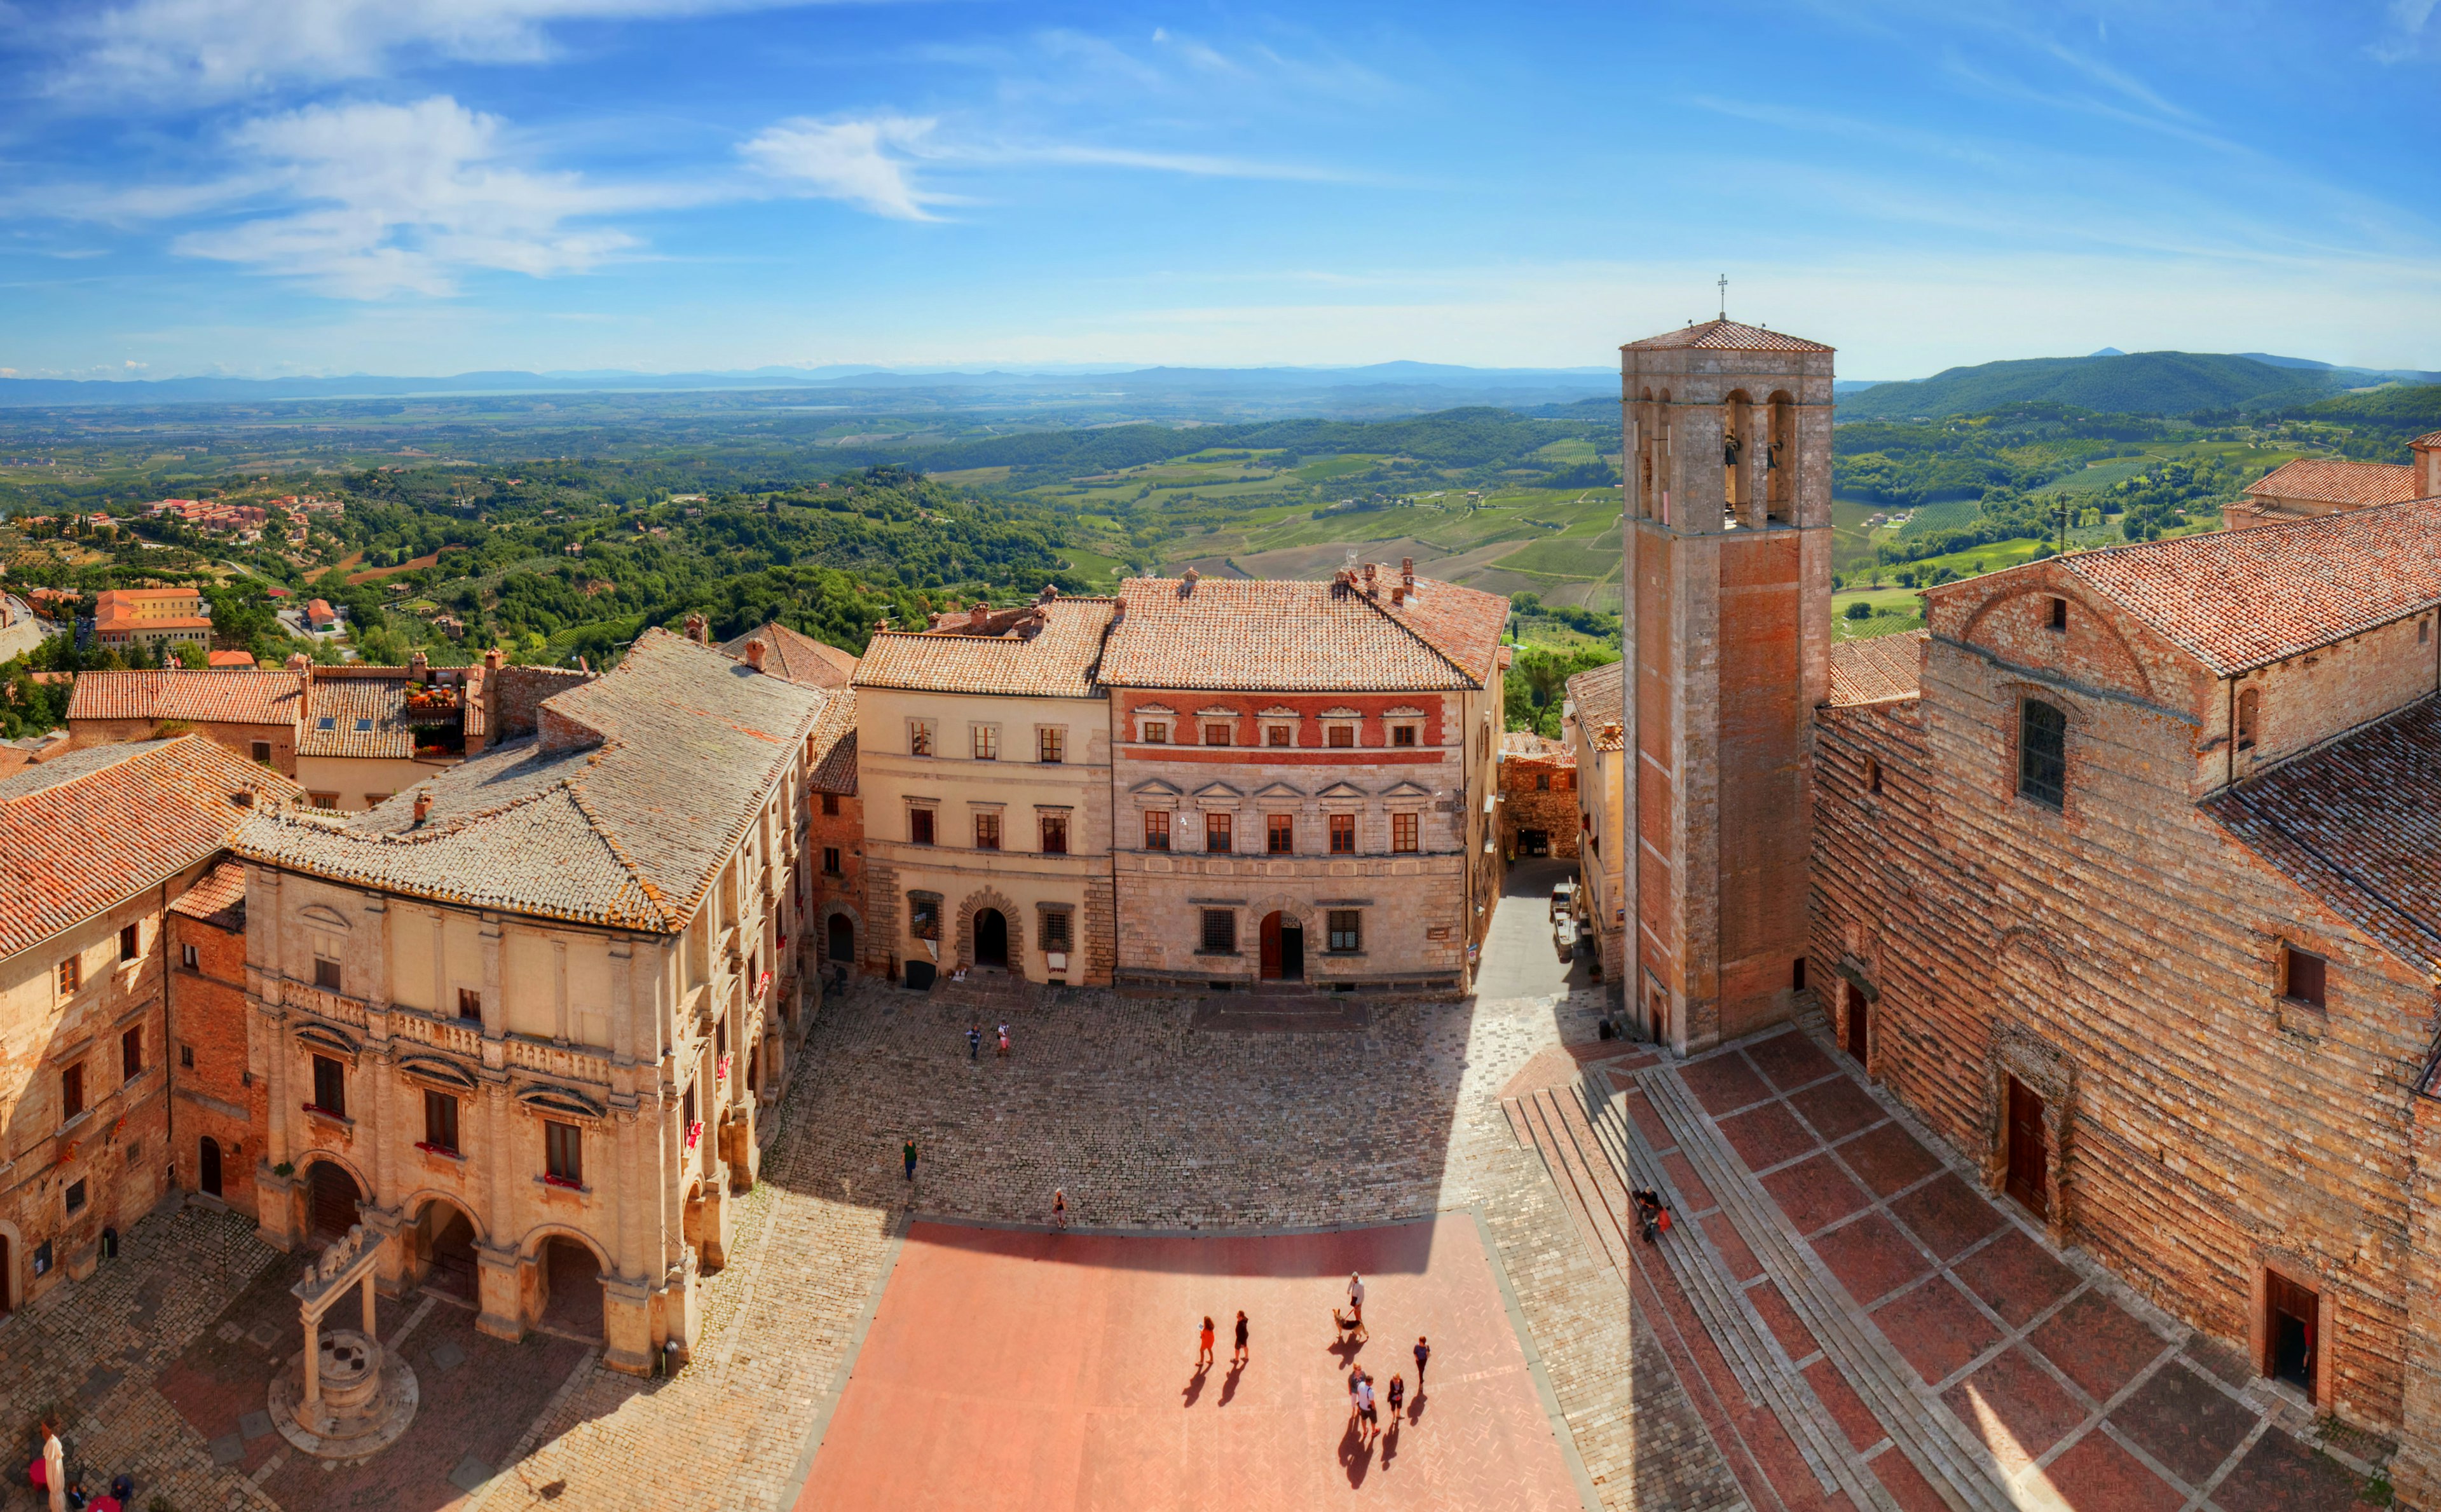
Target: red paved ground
{"x":1038,"y":1371}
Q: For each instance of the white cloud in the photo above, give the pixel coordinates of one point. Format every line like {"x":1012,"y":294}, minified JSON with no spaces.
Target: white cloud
{"x":380,"y":200}
{"x":868,"y":163}
{"x":2405,"y":39}
{"x":224,"y":47}
{"x":873,"y":162}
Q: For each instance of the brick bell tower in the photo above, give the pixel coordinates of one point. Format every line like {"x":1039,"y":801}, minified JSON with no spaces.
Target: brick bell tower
{"x":1728,"y":629}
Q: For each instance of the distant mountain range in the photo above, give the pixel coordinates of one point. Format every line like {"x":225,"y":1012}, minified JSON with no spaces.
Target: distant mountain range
{"x":1441,"y":385}
{"x":2146,"y":383}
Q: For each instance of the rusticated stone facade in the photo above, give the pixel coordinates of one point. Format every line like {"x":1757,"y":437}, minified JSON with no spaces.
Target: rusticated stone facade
{"x":2129,"y":896}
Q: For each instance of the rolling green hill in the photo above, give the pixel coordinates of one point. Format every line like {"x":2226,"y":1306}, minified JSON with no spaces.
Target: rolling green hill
{"x":2146,"y":382}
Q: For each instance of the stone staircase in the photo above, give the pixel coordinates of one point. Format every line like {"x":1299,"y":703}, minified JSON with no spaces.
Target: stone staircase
{"x":1960,"y":1468}
{"x":1597,"y":1167}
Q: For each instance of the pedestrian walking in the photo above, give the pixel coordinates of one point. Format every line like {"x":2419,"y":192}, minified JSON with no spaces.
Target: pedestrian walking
{"x":1238,"y":1355}
{"x":55,"y":1467}
{"x":1355,"y":1405}
{"x":1365,"y":1407}
{"x":1203,"y":1354}
{"x":1003,"y":1041}
{"x":1058,"y":1209}
{"x":1356,"y":1297}
{"x":975,"y":1042}
{"x":1398,"y":1397}
{"x":911,"y":1160}
{"x":1423,"y":1353}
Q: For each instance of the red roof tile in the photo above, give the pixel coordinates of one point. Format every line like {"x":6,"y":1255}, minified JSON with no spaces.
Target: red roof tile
{"x":1058,"y":661}
{"x":198,"y":697}
{"x":1866,"y":671}
{"x":1598,"y":695}
{"x":801,"y":659}
{"x":2325,"y":481}
{"x":2431,"y":438}
{"x":218,"y":659}
{"x":2245,"y":599}
{"x":834,"y":747}
{"x":217,"y":897}
{"x":1264,"y":634}
{"x":1724,"y":335}
{"x":90,"y":828}
{"x":2358,"y":824}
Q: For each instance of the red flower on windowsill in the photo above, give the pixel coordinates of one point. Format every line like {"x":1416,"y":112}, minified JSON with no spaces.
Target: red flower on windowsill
{"x":762,"y":984}
{"x":695,"y":1133}
{"x":721,"y":1072}
{"x":562,"y":1183}
{"x":441,"y":1150}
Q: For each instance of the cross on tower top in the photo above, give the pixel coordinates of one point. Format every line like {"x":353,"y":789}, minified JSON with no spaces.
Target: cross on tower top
{"x":1725,"y":296}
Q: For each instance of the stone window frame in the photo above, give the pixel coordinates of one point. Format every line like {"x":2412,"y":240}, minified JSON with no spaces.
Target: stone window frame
{"x":916,"y":898}
{"x":2045,"y":1070}
{"x":1272,"y":827}
{"x":1066,"y":915}
{"x":1168,"y":813}
{"x":987,"y":819}
{"x":1045,"y":816}
{"x":1332,"y":931}
{"x":2292,"y":1014}
{"x":1204,"y":930}
{"x":1051,"y":744}
{"x":1405,"y":717}
{"x":923,"y":736}
{"x":1412,"y":844}
{"x":1149,"y":715}
{"x":983,"y":739}
{"x":1334,"y":721}
{"x":1277,"y":719}
{"x":930,"y":808}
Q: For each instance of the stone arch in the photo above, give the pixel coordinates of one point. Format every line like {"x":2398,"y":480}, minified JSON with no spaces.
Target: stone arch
{"x":415,"y":1205}
{"x":530,"y":1246}
{"x":991,"y":898}
{"x":301,"y":1189}
{"x":12,"y":1267}
{"x":855,"y":933}
{"x":554,"y":1293}
{"x":429,"y":1255}
{"x":1737,"y":452}
{"x":2141,"y":680}
{"x":1779,"y":457}
{"x":1297,"y":910}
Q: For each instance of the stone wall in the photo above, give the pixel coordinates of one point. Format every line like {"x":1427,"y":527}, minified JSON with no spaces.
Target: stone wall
{"x":1539,"y":793}
{"x":215,"y":1097}
{"x":2121,"y":956}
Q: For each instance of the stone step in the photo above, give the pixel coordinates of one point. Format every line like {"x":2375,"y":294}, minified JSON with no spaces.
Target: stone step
{"x":1763,"y":1367}
{"x":1959,"y":1466}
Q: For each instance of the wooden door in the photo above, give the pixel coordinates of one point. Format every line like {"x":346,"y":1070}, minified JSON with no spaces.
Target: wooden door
{"x":1660,"y":1017}
{"x":1861,"y":1025}
{"x":209,"y":1160}
{"x":2290,"y":1340}
{"x":333,"y":1196}
{"x":1271,"y":947}
{"x":2029,"y":1164}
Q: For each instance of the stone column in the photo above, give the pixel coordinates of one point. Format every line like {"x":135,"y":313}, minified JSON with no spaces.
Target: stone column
{"x":369,"y":1331}
{"x":309,"y":1412}
{"x":495,"y":1275}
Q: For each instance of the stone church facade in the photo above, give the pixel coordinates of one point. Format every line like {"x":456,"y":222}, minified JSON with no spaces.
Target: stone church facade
{"x":2120,"y":874}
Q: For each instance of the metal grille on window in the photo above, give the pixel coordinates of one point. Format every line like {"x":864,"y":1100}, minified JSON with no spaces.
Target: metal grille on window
{"x":2042,"y":753}
{"x":1219,"y":931}
{"x":1054,"y":929}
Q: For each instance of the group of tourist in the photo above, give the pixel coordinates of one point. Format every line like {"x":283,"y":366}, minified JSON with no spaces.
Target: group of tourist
{"x":1363,"y":1405}
{"x":49,"y":1474}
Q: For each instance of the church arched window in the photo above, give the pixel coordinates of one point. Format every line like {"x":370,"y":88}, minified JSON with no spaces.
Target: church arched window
{"x":1737,"y":440}
{"x":1780,"y":460}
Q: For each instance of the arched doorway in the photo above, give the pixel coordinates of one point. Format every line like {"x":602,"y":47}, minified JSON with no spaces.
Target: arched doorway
{"x":7,"y":1275}
{"x":843,"y":938}
{"x":208,"y":1163}
{"x":331,"y":1199}
{"x":991,"y":938}
{"x":445,"y":1237}
{"x":1283,"y":948}
{"x":571,"y":1284}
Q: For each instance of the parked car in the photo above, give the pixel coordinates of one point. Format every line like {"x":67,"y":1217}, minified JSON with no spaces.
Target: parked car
{"x":1564,"y":938}
{"x":1564,"y":897}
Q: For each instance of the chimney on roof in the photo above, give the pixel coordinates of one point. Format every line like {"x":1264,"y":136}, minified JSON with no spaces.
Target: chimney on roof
{"x":1398,"y":593}
{"x":979,"y":616}
{"x":297,"y":660}
{"x":495,"y":659}
{"x":696,"y":631}
{"x":419,"y":667}
{"x":1119,"y":612}
{"x":423,"y":807}
{"x":754,"y":653}
{"x":1407,"y":569}
{"x":1368,"y":579}
{"x":1049,"y":591}
{"x":243,"y":797}
{"x":1187,"y":580}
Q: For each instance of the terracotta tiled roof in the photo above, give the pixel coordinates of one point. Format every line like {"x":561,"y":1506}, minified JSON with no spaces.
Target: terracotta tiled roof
{"x":1058,"y":662}
{"x":1865,"y":672}
{"x":1261,"y":634}
{"x":89,"y":828}
{"x":197,"y":697}
{"x":621,"y":814}
{"x":233,"y":659}
{"x":2324,"y":482}
{"x":2432,"y":438}
{"x":2358,"y":824}
{"x":2244,"y":598}
{"x":356,"y":716}
{"x":1724,"y":335}
{"x":1597,"y":694}
{"x":834,"y":747}
{"x":797,"y":658}
{"x":1523,"y":745}
{"x":217,"y":897}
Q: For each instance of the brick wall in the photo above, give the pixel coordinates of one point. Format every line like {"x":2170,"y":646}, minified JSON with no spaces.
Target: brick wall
{"x":216,"y":1097}
{"x":842,"y":892}
{"x":2120,"y":957}
{"x":1539,"y":793}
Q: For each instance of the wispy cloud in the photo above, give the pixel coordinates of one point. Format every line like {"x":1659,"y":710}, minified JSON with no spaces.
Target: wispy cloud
{"x":874,"y":162}
{"x":868,"y":163}
{"x":2403,"y":39}
{"x":219,"y":48}
{"x":374,"y":200}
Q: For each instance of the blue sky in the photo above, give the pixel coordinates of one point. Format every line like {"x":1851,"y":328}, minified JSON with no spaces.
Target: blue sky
{"x":266,"y":187}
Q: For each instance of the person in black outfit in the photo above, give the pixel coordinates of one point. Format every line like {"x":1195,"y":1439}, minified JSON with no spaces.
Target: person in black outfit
{"x":1238,"y":1355}
{"x":1648,"y":1215}
{"x":1423,"y":1353}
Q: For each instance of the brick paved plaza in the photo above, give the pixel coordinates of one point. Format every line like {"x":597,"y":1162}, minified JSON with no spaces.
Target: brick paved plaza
{"x":1839,"y":1321}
